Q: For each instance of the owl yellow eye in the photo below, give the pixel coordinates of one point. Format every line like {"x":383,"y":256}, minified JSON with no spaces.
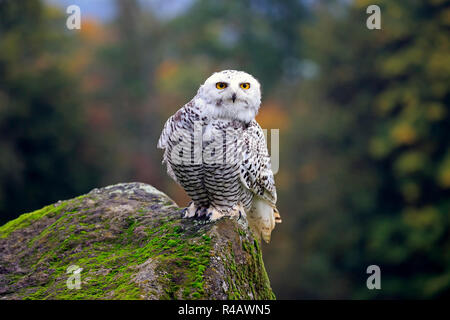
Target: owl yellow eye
{"x":245,"y":85}
{"x":221,"y":85}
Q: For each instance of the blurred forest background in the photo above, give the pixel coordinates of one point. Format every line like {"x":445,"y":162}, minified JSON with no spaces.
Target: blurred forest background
{"x":363,"y":116}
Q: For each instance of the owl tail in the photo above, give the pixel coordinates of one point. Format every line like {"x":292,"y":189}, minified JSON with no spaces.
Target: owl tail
{"x":262,"y":218}
{"x":277,"y":216}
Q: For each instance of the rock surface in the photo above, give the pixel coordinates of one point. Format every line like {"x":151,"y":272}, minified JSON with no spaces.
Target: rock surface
{"x":130,"y":242}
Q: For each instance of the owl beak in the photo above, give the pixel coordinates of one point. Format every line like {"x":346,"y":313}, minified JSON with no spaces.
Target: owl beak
{"x":233,"y":97}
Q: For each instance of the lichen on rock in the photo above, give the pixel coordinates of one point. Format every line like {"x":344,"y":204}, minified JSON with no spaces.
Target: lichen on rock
{"x":130,"y":242}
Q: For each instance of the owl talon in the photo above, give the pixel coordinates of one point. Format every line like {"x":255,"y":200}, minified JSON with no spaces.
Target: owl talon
{"x":213,"y":214}
{"x":237,"y":211}
{"x":200,"y":212}
{"x":190,"y":211}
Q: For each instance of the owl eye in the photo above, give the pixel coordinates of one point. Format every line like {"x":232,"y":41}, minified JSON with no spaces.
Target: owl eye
{"x":245,"y":85}
{"x":221,"y":85}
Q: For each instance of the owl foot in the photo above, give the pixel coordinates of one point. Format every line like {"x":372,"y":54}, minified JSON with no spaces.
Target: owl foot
{"x":213,"y":214}
{"x":192,"y":211}
{"x":189,"y":211}
{"x":237,"y":211}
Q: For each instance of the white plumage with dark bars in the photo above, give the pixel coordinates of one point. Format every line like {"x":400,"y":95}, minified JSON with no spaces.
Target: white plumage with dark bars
{"x":216,"y":151}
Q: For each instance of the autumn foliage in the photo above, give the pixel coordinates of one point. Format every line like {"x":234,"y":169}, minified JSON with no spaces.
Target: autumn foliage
{"x":363,"y":117}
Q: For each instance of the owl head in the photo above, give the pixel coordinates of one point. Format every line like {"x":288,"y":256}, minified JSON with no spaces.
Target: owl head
{"x":232,"y":95}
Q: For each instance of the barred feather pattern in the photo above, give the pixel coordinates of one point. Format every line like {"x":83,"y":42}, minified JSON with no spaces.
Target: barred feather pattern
{"x":231,"y":166}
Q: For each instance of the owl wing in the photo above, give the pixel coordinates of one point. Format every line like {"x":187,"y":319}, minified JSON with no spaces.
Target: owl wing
{"x":173,"y":125}
{"x":255,"y":171}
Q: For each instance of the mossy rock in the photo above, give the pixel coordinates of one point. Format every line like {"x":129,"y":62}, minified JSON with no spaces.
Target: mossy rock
{"x":130,"y":242}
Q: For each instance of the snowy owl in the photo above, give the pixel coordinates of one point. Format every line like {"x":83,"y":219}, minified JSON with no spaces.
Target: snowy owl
{"x":217,"y":152}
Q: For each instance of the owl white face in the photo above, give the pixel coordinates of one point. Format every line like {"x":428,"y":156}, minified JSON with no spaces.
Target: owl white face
{"x":232,"y":95}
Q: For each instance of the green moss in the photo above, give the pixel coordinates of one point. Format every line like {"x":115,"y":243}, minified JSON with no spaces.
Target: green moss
{"x":182,"y":261}
{"x":178,"y":251}
{"x":250,"y":280}
{"x":27,"y":219}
